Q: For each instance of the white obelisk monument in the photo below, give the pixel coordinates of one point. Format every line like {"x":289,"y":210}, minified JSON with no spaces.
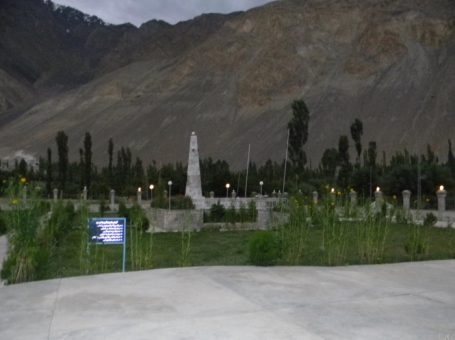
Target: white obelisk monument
{"x":193,"y":180}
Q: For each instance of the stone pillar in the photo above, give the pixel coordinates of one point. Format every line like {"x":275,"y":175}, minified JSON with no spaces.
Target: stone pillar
{"x":353,"y":197}
{"x":55,"y":192}
{"x":139,"y":196}
{"x":193,"y":180}
{"x":441,"y":194}
{"x":406,"y":200}
{"x":233,"y":194}
{"x":112,"y":199}
{"x":315,"y":197}
{"x":84,"y":193}
{"x":212,"y":194}
{"x":378,"y":198}
{"x":333,"y":195}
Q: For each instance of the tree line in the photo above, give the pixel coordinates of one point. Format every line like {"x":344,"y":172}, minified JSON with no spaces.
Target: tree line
{"x":125,"y":172}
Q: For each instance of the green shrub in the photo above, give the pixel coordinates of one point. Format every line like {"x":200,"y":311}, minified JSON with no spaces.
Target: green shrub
{"x":2,"y":224}
{"x":178,"y":202}
{"x":138,"y":219}
{"x":430,"y":220}
{"x":264,"y":249}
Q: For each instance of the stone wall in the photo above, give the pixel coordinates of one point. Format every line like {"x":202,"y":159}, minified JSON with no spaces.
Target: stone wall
{"x":163,"y":220}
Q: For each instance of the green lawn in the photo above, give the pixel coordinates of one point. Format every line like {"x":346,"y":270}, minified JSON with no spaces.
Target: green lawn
{"x":211,"y":248}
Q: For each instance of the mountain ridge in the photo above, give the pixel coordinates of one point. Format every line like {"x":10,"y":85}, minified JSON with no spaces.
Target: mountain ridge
{"x":231,"y":78}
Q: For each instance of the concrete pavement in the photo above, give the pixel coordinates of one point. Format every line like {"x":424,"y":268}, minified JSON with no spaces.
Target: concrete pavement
{"x":395,"y":301}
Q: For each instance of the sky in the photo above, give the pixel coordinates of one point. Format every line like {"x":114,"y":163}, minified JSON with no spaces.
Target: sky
{"x":171,"y":11}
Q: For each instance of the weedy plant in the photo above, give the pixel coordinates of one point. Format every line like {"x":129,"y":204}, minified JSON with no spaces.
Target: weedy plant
{"x":185,"y":245}
{"x":418,"y":245}
{"x":28,"y":249}
{"x":141,"y":252}
{"x":294,"y":234}
{"x":372,"y":235}
{"x":334,"y":235}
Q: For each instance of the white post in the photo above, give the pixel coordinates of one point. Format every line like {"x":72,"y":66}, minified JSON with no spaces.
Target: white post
{"x":315,"y":197}
{"x":378,"y":199}
{"x":353,"y":197}
{"x":442,"y":194}
{"x":406,"y":200}
{"x":112,"y":198}
{"x":139,"y":196}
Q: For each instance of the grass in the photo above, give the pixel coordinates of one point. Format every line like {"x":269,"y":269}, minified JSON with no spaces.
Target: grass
{"x":50,"y":245}
{"x":215,"y":248}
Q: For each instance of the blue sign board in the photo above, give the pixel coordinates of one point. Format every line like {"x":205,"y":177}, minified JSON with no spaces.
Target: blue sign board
{"x":108,"y":230}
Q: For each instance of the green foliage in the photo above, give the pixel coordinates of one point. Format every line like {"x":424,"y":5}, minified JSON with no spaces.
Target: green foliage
{"x":88,"y":160}
{"x":62,"y":150}
{"x":219,"y":214}
{"x":430,"y":220}
{"x":138,"y":219}
{"x":372,"y":237}
{"x":417,"y":244}
{"x":294,"y":234}
{"x":298,"y":133}
{"x":2,"y":223}
{"x":264,"y":250}
{"x":372,"y":154}
{"x":185,"y":246}
{"x":343,"y":161}
{"x":28,"y":250}
{"x":329,"y":162}
{"x":356,"y":134}
{"x":178,"y":202}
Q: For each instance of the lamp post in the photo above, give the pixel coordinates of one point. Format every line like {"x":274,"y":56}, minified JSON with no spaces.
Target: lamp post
{"x":227,"y":189}
{"x":170,"y":186}
{"x":151,"y":187}
{"x":261,"y":183}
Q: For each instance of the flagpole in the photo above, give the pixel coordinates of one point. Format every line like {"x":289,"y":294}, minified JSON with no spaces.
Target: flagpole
{"x":285,"y":163}
{"x":247,"y":167}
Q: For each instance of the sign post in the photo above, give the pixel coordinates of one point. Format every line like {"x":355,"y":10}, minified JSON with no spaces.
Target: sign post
{"x":108,"y":231}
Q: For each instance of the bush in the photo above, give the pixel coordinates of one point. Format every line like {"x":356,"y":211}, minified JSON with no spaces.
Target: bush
{"x":430,"y":220}
{"x":178,"y":202}
{"x":2,"y":224}
{"x":263,"y":249}
{"x":138,"y":219}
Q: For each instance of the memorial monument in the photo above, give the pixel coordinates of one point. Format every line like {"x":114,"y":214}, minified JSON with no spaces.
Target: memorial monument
{"x":193,"y":181}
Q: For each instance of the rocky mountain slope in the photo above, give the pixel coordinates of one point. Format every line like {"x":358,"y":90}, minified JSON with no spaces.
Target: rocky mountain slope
{"x":231,"y":78}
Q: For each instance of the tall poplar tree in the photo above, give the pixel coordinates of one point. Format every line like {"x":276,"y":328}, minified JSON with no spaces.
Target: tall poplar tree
{"x":62,"y":151}
{"x":356,"y":134}
{"x":49,"y":172}
{"x":88,"y":160}
{"x":298,"y":133}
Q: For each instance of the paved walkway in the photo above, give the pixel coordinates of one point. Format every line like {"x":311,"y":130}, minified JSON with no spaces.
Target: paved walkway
{"x":397,"y":301}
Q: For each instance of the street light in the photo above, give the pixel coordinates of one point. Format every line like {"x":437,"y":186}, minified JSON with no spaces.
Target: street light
{"x":170,"y":186}
{"x":261,"y":183}
{"x":151,"y":192}
{"x":227,"y":189}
